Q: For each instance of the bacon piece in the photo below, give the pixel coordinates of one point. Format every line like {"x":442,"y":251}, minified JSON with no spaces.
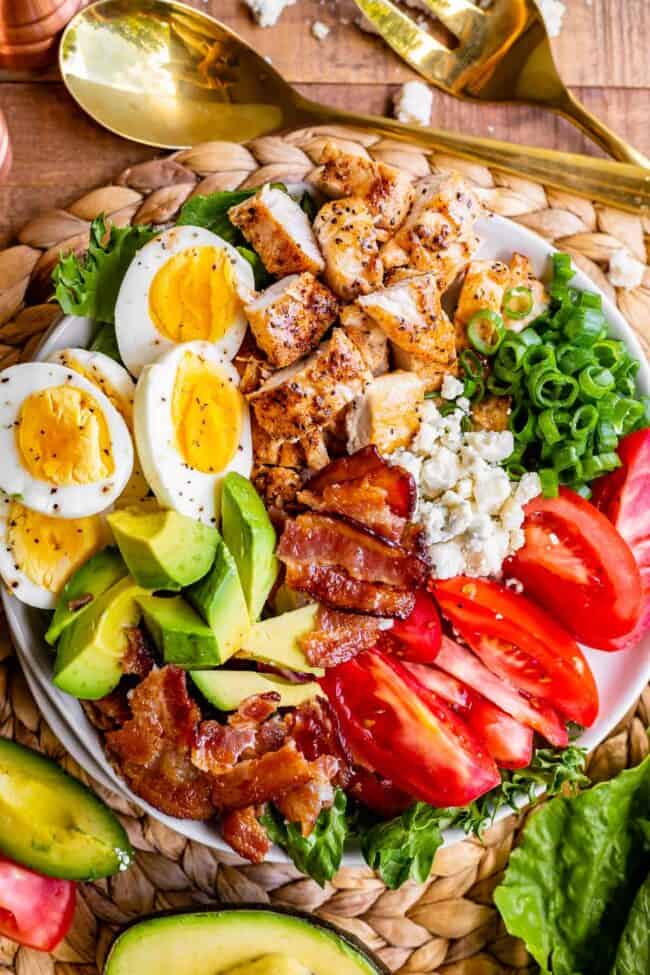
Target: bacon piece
{"x":138,"y":659}
{"x":361,"y":503}
{"x":319,"y":539}
{"x":400,"y":487}
{"x":217,"y":747}
{"x":108,"y":713}
{"x":338,"y":637}
{"x":304,"y":804}
{"x":253,"y":711}
{"x":153,"y":747}
{"x":262,"y":779}
{"x":336,"y":588}
{"x":314,"y":727}
{"x":242,"y":830}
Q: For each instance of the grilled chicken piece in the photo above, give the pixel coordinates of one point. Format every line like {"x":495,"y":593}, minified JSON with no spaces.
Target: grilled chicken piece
{"x":411,"y":315}
{"x":290,"y":317}
{"x":278,"y":486}
{"x":431,"y":373}
{"x":438,"y":234}
{"x":275,"y":450}
{"x":347,"y":237}
{"x":370,"y":340}
{"x":309,"y":395}
{"x":279,"y":231}
{"x":493,"y":413}
{"x":483,"y":288}
{"x":521,"y":275}
{"x":386,"y":190}
{"x":387,"y":414}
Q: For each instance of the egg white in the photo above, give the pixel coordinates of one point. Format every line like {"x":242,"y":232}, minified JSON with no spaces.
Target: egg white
{"x":138,"y":338}
{"x":17,"y":383}
{"x":187,"y":490}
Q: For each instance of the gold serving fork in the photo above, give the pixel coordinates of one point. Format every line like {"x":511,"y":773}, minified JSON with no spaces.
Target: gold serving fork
{"x":503,"y":54}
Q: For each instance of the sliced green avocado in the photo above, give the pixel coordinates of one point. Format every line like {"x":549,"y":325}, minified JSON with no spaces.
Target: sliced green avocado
{"x":52,"y":823}
{"x":91,"y":579}
{"x":89,"y":654}
{"x":270,"y":965}
{"x":250,"y":536}
{"x":277,"y":641}
{"x":163,"y":549}
{"x":226,"y":689}
{"x":214,"y":942}
{"x":179,"y":633}
{"x":219,"y":599}
{"x":286,"y":599}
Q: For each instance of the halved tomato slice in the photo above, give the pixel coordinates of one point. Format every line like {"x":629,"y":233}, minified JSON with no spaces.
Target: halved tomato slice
{"x":406,"y":733}
{"x":577,"y":566}
{"x":35,"y":911}
{"x":378,"y":794}
{"x":520,"y":642}
{"x":419,"y":634}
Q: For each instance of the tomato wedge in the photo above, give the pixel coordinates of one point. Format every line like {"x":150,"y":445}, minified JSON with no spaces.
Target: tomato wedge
{"x":624,"y":497}
{"x":378,"y":794}
{"x":406,"y":733}
{"x":35,"y":911}
{"x":420,"y":633}
{"x":509,"y":743}
{"x":520,"y":642}
{"x":529,"y":711}
{"x":577,"y":566}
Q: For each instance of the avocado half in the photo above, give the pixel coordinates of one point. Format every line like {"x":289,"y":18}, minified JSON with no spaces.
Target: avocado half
{"x":215,"y":941}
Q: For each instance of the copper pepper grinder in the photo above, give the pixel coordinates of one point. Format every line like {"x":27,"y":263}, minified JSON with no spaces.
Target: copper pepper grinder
{"x":29,"y":30}
{"x":5,"y":149}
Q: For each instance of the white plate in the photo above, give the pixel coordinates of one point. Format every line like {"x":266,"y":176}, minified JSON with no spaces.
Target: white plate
{"x":621,"y":677}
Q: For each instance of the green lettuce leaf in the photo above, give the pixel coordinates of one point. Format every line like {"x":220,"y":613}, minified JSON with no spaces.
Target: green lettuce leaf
{"x":633,"y":954}
{"x":211,"y":212}
{"x":318,"y":855}
{"x":403,"y":848}
{"x":569,"y":886}
{"x":105,"y":340}
{"x":88,"y":285}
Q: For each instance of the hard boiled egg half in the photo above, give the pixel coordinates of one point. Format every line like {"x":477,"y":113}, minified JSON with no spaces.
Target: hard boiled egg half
{"x":191,"y":427}
{"x":66,"y":451}
{"x":185,"y":285}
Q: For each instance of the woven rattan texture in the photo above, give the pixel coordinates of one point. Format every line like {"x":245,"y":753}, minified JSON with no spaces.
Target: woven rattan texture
{"x":448,"y":924}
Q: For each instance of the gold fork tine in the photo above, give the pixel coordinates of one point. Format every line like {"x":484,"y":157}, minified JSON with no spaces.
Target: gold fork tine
{"x":422,"y":51}
{"x":458,"y":16}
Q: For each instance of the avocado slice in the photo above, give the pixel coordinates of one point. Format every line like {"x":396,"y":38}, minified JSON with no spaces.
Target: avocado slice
{"x":277,"y":640}
{"x":219,"y":599}
{"x":251,"y":538}
{"x":52,"y":823}
{"x":89,"y":654}
{"x":163,"y":549}
{"x":270,"y":965}
{"x":99,"y":573}
{"x":179,"y":633}
{"x":226,"y":689}
{"x":214,"y":942}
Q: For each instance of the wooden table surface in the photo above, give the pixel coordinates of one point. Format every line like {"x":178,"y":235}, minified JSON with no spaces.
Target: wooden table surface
{"x":603,"y":53}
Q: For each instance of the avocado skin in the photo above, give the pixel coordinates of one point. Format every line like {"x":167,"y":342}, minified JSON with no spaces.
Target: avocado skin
{"x":67,"y":857}
{"x":163,"y":549}
{"x":179,"y":633}
{"x":219,"y":599}
{"x":251,"y":538}
{"x":99,"y":573}
{"x":190,"y":943}
{"x":226,"y":689}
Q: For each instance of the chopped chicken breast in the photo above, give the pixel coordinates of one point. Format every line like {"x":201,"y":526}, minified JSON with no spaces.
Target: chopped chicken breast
{"x":370,"y":339}
{"x":483,"y":288}
{"x":311,"y":393}
{"x":275,"y":450}
{"x":279,"y":231}
{"x":387,"y":413}
{"x":278,"y":486}
{"x":386,"y":190}
{"x":430,"y":372}
{"x":521,"y":275}
{"x":438,"y":234}
{"x":348,"y":239}
{"x":492,"y":413}
{"x":290,"y":317}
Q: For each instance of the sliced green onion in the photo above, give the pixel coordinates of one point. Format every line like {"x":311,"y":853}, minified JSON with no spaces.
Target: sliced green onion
{"x":591,"y":299}
{"x":573,"y":358}
{"x":606,"y":436}
{"x":535,"y":355}
{"x":626,"y":386}
{"x":547,"y":427}
{"x":474,"y":389}
{"x":495,"y":331}
{"x":583,"y":490}
{"x":471,"y":364}
{"x":598,"y":464}
{"x":595,"y":382}
{"x":584,"y":420}
{"x":562,"y":267}
{"x":529,"y":336}
{"x":515,"y":471}
{"x":585,"y":327}
{"x":609,"y":353}
{"x":498,"y":387}
{"x":550,"y":482}
{"x":518,"y":302}
{"x":550,"y":387}
{"x":522,"y":423}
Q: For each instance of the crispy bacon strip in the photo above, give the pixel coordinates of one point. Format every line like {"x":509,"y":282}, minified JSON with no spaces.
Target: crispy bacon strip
{"x":254,"y":711}
{"x":318,"y":539}
{"x":217,"y":747}
{"x":304,"y":804}
{"x":338,"y":637}
{"x":314,"y":728}
{"x":138,"y":659}
{"x":360,"y":502}
{"x":363,"y":463}
{"x":334,"y":587}
{"x":242,"y":830}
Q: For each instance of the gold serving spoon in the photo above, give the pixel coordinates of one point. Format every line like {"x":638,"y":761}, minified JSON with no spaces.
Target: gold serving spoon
{"x":503,"y":54}
{"x":164,"y":74}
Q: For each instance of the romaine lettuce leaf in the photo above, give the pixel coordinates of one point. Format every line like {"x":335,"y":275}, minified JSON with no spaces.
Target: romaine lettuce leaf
{"x":318,"y":855}
{"x":633,"y":955}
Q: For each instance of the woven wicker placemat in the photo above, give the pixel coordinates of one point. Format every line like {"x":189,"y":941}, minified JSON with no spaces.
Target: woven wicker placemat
{"x":448,"y":924}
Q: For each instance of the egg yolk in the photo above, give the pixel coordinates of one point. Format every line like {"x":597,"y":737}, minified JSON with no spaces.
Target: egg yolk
{"x":193,"y":296}
{"x":48,"y":550}
{"x":207,"y":415}
{"x":63,"y":438}
{"x":123,"y":405}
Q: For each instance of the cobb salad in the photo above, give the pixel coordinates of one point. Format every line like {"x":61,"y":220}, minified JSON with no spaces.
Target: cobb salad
{"x":323,"y":515}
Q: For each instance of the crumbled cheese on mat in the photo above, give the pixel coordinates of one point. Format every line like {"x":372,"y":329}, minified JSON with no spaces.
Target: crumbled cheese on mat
{"x":471,"y":512}
{"x":624,"y":270}
{"x":320,"y":30}
{"x":553,"y":12}
{"x":413,"y":103}
{"x":267,"y":12}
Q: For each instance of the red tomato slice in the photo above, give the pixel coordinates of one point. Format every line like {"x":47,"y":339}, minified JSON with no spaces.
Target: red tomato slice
{"x":624,"y":497}
{"x":529,"y":711}
{"x":509,"y":743}
{"x":35,"y":911}
{"x":406,"y":733}
{"x":420,"y":633}
{"x":520,"y":642}
{"x":577,"y":566}
{"x":378,"y":794}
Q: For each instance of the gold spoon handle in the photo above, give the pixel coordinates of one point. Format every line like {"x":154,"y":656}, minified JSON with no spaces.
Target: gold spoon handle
{"x":618,"y":184}
{"x":573,"y":110}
